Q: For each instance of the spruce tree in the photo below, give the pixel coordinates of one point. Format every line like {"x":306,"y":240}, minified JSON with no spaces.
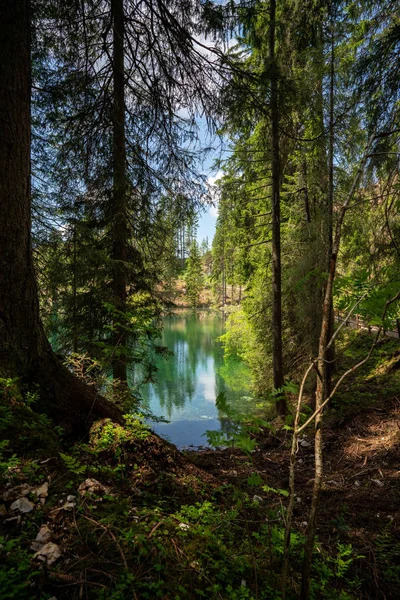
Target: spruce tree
{"x":24,"y":349}
{"x":194,"y":277}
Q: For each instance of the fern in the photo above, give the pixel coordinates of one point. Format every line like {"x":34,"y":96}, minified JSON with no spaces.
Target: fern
{"x":73,"y":465}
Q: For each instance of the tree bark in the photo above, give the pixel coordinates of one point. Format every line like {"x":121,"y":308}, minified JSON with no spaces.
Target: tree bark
{"x":277,"y":359}
{"x":321,"y":384}
{"x":325,"y":357}
{"x":24,"y":349}
{"x":330,"y":355}
{"x":119,"y":204}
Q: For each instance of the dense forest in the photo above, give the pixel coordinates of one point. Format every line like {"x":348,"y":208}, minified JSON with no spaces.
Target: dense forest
{"x":113,"y":116}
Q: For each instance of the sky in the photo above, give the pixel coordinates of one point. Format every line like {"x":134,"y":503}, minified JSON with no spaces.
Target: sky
{"x":215,"y":150}
{"x":208,"y":219}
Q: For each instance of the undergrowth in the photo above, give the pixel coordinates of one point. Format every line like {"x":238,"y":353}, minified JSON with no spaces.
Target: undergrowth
{"x":376,"y":381}
{"x":157,"y":528}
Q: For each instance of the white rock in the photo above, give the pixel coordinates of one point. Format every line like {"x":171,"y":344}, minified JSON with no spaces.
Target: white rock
{"x":68,"y":506}
{"x":184,"y":526}
{"x":42,"y":538}
{"x":49,"y":553}
{"x":304,"y":443}
{"x":16,"y":492}
{"x":43,"y":490}
{"x":13,"y":520}
{"x":92,"y":486}
{"x":71,"y":498}
{"x":378,"y":482}
{"x":22,"y":505}
{"x":257,"y":498}
{"x":44,"y":534}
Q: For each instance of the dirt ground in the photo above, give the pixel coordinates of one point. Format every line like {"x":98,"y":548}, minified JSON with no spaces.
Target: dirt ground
{"x":360,"y":498}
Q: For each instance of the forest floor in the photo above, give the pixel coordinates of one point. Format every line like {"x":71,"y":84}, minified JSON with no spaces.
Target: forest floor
{"x":126,"y":515}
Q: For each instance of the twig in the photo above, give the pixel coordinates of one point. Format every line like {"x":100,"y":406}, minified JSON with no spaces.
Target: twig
{"x":292,"y":471}
{"x":345,"y":321}
{"x":112,"y":536}
{"x":298,"y":430}
{"x":154,"y":529}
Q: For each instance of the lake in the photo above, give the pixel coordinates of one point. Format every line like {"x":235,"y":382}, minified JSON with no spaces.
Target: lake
{"x":196,"y":389}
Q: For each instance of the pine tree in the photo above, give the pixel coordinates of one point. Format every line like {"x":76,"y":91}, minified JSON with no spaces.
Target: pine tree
{"x":113,"y":98}
{"x":194,"y":277}
{"x":24,"y":349}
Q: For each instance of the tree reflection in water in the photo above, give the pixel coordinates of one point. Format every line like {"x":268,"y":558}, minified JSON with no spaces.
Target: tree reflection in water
{"x":189,"y":382}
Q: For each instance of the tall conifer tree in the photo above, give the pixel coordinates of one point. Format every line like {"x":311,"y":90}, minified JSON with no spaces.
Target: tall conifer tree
{"x":24,"y":349}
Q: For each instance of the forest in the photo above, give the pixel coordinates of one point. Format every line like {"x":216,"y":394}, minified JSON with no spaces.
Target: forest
{"x":187,"y":415}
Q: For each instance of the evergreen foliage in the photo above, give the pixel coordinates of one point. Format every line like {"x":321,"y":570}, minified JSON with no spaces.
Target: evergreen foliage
{"x":194,"y":277}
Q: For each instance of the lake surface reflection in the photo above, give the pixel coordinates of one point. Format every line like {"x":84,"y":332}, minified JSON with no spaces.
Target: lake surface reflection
{"x":189,"y":382}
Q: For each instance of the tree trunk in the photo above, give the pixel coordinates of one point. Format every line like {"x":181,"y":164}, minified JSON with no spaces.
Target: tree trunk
{"x":277,"y":359}
{"x":75,"y":295}
{"x":321,"y":384}
{"x":325,"y":357}
{"x":330,"y":356}
{"x":24,"y":349}
{"x":119,"y":205}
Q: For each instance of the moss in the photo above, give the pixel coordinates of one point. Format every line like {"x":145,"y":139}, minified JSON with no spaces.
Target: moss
{"x":28,"y":432}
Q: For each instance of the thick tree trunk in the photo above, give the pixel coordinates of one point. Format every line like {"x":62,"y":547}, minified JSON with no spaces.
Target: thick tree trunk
{"x":119,"y":205}
{"x":24,"y":349}
{"x":277,"y":360}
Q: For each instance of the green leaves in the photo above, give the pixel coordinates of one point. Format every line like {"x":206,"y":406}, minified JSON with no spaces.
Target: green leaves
{"x":73,"y":464}
{"x":254,"y":480}
{"x":289,"y":388}
{"x":350,"y":289}
{"x":194,"y":277}
{"x":278,"y":491}
{"x":217,"y":439}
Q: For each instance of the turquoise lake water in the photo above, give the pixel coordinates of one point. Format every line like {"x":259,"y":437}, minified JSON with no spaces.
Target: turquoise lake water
{"x":191,"y":383}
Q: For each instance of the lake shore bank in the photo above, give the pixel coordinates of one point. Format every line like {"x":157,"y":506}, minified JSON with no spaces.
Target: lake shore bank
{"x":132,"y":516}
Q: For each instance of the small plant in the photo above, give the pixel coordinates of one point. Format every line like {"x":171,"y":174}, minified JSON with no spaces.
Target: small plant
{"x":73,"y":465}
{"x":254,"y":480}
{"x":107,"y":435}
{"x":278,"y":491}
{"x":17,"y":574}
{"x":7,"y":463}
